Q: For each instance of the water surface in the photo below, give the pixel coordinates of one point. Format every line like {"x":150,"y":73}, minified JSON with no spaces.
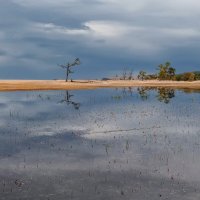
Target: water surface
{"x":100,"y":144}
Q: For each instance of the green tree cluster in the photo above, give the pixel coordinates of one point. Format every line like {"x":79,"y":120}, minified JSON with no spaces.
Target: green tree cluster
{"x":197,"y":75}
{"x":188,"y":76}
{"x":166,"y":72}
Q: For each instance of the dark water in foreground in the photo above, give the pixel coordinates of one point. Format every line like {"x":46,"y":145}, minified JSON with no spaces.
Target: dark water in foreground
{"x":101,"y":144}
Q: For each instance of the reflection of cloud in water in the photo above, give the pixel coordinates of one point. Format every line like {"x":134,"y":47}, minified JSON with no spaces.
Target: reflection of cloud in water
{"x":158,"y":154}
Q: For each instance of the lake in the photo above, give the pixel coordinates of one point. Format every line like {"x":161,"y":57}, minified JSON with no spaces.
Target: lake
{"x":123,"y":143}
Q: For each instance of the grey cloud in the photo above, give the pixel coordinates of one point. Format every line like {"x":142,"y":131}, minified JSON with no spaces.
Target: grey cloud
{"x":107,"y":35}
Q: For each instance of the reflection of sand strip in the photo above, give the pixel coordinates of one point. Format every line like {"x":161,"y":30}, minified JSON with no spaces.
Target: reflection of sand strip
{"x":127,"y":130}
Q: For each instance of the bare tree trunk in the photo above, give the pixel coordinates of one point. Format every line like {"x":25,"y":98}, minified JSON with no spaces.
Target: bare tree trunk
{"x":67,"y":74}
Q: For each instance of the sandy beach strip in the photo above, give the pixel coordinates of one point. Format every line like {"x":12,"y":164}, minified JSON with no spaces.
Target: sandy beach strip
{"x":22,"y":85}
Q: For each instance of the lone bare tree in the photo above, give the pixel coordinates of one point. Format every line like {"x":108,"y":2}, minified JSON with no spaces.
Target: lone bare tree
{"x":68,"y":66}
{"x":124,"y":74}
{"x":130,"y":75}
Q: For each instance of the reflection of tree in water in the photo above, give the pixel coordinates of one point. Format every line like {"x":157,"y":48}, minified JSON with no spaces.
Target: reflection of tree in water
{"x":127,"y":92}
{"x":68,"y":100}
{"x":164,"y":94}
{"x":143,"y":93}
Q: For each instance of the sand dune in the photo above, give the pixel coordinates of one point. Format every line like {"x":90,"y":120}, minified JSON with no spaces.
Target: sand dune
{"x":17,"y":85}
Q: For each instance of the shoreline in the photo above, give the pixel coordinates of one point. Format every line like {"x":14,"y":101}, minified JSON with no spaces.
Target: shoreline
{"x":25,"y":85}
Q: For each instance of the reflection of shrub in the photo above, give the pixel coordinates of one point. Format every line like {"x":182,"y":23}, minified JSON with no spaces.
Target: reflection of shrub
{"x":116,"y":97}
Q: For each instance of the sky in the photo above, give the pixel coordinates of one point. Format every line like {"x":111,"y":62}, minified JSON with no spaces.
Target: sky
{"x":107,"y":35}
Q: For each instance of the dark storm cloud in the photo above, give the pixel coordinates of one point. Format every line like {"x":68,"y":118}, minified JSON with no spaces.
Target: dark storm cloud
{"x":108,"y":36}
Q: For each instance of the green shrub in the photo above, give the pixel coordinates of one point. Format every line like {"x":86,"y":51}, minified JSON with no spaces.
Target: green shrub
{"x":188,"y":76}
{"x":197,"y":75}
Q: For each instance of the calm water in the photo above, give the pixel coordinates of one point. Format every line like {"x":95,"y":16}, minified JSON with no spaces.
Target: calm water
{"x":101,"y":144}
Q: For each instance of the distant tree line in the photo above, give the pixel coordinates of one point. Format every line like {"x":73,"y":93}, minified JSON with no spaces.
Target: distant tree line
{"x":167,"y":72}
{"x":164,"y":72}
